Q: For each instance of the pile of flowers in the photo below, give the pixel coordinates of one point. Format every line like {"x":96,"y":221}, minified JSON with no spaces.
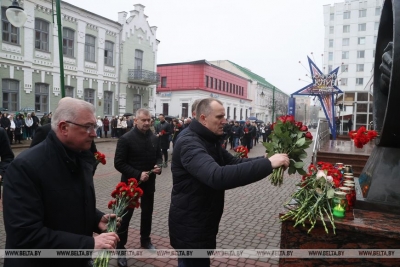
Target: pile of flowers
{"x":313,"y":198}
{"x":292,"y":138}
{"x":125,"y":196}
{"x":361,"y":137}
{"x":241,"y":151}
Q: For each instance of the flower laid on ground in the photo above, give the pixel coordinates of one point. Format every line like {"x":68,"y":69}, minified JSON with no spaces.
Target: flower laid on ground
{"x":100,"y":157}
{"x":292,"y":138}
{"x":313,"y":198}
{"x":241,"y":151}
{"x":361,"y":137}
{"x":125,"y":196}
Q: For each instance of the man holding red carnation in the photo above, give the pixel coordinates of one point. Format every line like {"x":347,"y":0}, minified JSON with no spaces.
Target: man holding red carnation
{"x":201,"y":171}
{"x":138,"y":155}
{"x":49,"y":199}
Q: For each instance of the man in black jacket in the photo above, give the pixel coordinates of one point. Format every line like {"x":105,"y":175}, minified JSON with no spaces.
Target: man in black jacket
{"x":137,"y":153}
{"x":248,"y":134}
{"x":201,"y":172}
{"x":164,"y":131}
{"x":49,"y":199}
{"x":6,"y":154}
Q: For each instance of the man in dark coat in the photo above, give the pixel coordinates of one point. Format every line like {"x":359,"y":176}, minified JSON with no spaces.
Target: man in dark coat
{"x":6,"y":154}
{"x":49,"y":199}
{"x":138,"y":152}
{"x":201,"y":172}
{"x":248,"y":134}
{"x":163,"y":131}
{"x":114,"y":123}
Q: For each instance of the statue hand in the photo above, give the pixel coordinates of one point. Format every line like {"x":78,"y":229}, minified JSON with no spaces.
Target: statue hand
{"x":386,"y":68}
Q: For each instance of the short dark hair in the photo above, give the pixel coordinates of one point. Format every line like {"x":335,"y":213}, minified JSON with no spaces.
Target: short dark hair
{"x":161,"y":114}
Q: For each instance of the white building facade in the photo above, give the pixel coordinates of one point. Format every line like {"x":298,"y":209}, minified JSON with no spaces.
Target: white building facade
{"x":351,"y":29}
{"x":111,"y":64}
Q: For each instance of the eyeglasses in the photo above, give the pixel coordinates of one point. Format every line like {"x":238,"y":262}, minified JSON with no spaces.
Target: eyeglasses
{"x":89,"y":128}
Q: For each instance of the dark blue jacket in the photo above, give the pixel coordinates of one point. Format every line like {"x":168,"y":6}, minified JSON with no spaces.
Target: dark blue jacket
{"x":201,"y":172}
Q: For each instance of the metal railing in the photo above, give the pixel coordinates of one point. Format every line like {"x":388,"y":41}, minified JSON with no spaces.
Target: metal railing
{"x":143,"y":76}
{"x":321,"y":137}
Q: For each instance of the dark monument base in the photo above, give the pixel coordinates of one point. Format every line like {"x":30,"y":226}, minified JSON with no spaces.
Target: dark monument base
{"x":360,"y":229}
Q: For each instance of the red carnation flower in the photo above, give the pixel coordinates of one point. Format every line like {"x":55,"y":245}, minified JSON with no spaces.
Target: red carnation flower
{"x":304,"y":129}
{"x":308,"y":135}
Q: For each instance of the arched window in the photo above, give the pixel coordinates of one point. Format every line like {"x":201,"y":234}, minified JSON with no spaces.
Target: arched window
{"x":68,"y":42}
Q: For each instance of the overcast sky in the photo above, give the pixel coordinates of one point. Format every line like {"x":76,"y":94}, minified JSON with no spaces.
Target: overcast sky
{"x":269,"y":37}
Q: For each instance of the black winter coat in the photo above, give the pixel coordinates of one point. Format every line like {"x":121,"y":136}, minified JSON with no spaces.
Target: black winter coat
{"x":49,"y":203}
{"x":137,"y":152}
{"x":164,"y":139}
{"x":201,"y":172}
{"x":6,"y":154}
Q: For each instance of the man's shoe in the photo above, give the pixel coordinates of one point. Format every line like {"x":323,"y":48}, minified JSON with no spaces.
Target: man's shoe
{"x":122,"y":262}
{"x":149,"y":246}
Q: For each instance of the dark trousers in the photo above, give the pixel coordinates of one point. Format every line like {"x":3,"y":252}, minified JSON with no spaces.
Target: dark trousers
{"x":189,"y":262}
{"x":146,"y":205}
{"x":113,"y":134}
{"x":248,"y":142}
{"x":165,"y":153}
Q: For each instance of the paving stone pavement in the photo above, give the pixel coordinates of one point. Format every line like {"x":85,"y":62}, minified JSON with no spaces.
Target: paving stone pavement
{"x":250,"y":219}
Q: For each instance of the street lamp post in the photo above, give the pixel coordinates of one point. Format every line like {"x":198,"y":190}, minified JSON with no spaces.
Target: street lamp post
{"x":17,"y":17}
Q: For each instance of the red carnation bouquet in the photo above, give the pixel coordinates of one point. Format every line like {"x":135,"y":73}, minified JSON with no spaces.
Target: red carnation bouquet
{"x":100,"y":158}
{"x":241,"y":151}
{"x":125,"y":196}
{"x":163,"y":132}
{"x":361,"y":137}
{"x":291,"y":138}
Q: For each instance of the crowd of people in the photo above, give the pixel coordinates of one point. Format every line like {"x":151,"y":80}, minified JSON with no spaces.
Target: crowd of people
{"x":43,"y":211}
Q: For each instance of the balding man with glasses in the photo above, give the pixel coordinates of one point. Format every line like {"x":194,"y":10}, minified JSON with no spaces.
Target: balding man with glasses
{"x":49,"y":199}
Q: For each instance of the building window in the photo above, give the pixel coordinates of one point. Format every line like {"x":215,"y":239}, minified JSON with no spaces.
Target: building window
{"x":138,"y":59}
{"x":376,"y":26}
{"x":375,"y":39}
{"x":362,"y":27}
{"x":332,"y":16}
{"x":223,"y":86}
{"x":344,"y":68}
{"x":360,"y":67}
{"x":165,"y":108}
{"x":69,"y":91}
{"x":346,"y":28}
{"x":330,"y":42}
{"x":10,"y":94}
{"x":10,"y":33}
{"x":377,"y":11}
{"x":41,"y":35}
{"x":359,"y":81}
{"x":108,"y":100}
{"x":185,"y":107}
{"x":362,"y":13}
{"x":137,"y":102}
{"x":89,"y":95}
{"x":211,"y":82}
{"x":90,"y":48}
{"x":343,"y":81}
{"x":109,"y":53}
{"x":330,"y":57}
{"x":228,"y":113}
{"x":164,"y":82}
{"x":68,"y":42}
{"x":206,"y":81}
{"x":346,"y":15}
{"x":346,"y":41}
{"x":331,"y":30}
{"x":345,"y":54}
{"x":41,"y":97}
{"x":361,"y":40}
{"x":361,"y":54}
{"x":329,"y":68}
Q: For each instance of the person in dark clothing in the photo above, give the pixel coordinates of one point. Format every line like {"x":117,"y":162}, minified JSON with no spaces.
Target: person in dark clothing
{"x":201,"y":172}
{"x":163,"y":131}
{"x":19,"y":124}
{"x":236,"y":133}
{"x":35,"y":124}
{"x":6,"y":124}
{"x":114,"y":123}
{"x":138,"y":152}
{"x":350,"y":125}
{"x":49,"y":199}
{"x":248,"y":133}
{"x":337,"y":125}
{"x":177,"y":130}
{"x":268,"y":130}
{"x":106,"y":126}
{"x":6,"y":154}
{"x":228,"y":134}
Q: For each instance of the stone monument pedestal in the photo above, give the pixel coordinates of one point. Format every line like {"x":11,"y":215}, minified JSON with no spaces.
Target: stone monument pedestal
{"x":360,"y":229}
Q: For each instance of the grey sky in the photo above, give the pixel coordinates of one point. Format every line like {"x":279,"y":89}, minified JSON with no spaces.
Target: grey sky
{"x":269,"y":37}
